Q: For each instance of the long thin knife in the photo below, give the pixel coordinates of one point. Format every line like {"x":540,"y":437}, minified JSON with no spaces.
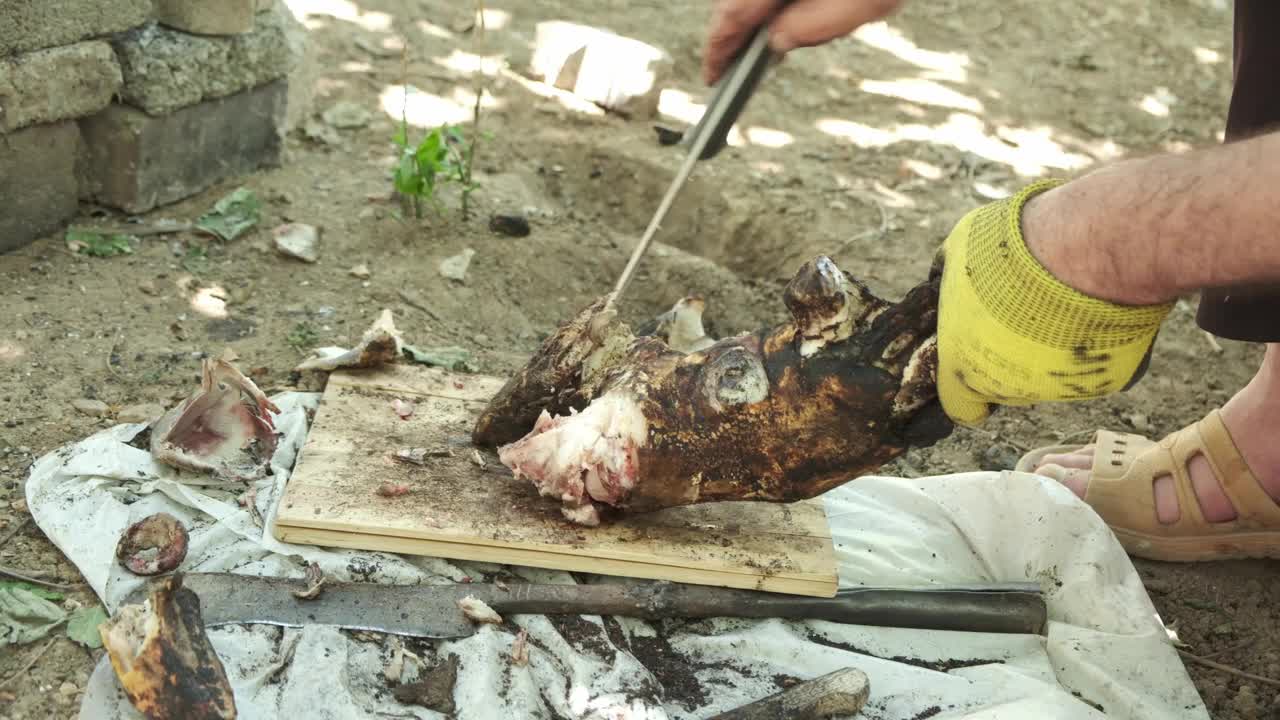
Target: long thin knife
{"x":709,"y":137}
{"x":432,"y":610}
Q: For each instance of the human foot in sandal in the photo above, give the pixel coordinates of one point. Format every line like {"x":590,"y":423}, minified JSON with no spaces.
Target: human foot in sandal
{"x":1207,"y":492}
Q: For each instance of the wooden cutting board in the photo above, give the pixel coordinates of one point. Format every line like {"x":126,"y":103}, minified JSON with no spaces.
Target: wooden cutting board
{"x":458,"y":510}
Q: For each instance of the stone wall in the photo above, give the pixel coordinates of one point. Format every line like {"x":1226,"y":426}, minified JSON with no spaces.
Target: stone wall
{"x":133,"y":104}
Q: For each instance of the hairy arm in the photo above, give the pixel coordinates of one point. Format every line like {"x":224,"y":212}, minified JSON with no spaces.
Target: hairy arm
{"x":1149,"y":230}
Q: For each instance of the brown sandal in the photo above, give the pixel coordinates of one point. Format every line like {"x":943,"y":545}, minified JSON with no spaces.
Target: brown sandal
{"x":1121,"y":490}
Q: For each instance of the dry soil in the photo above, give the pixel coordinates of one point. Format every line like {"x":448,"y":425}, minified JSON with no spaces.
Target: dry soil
{"x":868,"y":150}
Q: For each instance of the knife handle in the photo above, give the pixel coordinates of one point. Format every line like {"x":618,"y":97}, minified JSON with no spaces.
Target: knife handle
{"x":1001,"y":608}
{"x":752,"y":59}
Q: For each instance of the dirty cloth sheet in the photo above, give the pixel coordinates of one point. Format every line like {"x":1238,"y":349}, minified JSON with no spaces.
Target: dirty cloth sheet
{"x":1106,"y":647}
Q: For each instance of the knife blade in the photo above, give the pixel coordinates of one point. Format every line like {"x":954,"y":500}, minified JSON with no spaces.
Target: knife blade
{"x":709,"y":137}
{"x":432,"y":611}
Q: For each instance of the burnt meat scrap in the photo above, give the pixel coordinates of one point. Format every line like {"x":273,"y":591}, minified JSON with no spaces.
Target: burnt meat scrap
{"x":601,"y":418}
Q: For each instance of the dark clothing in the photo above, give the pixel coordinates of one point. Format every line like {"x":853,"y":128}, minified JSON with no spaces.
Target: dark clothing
{"x":1250,"y":313}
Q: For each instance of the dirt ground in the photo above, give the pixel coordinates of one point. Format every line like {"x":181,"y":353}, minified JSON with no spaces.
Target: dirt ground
{"x":867,"y":150}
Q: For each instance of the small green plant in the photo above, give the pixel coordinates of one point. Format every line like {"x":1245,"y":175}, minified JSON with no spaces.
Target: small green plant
{"x":443,"y":155}
{"x":302,"y":336}
{"x":419,"y":166}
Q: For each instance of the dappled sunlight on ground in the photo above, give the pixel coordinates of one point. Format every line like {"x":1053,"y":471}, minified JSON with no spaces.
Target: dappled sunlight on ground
{"x":310,"y":13}
{"x":925,"y":92}
{"x":1028,"y":152}
{"x":428,"y":110}
{"x":950,"y":66}
{"x":11,"y":351}
{"x":1157,"y":103}
{"x":461,"y":61}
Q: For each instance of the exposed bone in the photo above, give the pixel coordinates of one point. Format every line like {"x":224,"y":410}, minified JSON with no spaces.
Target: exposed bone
{"x":156,"y":544}
{"x":780,"y":415}
{"x":164,"y":660}
{"x":381,"y":344}
{"x":478,"y":611}
{"x":224,"y":428}
{"x":681,"y":326}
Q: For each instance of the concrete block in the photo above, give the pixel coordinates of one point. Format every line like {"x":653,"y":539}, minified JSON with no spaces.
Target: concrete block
{"x":305,"y":72}
{"x":165,"y":69}
{"x":37,"y":182}
{"x":57,"y":84}
{"x":208,"y":17}
{"x":617,"y":73}
{"x":136,"y":162}
{"x":27,"y":25}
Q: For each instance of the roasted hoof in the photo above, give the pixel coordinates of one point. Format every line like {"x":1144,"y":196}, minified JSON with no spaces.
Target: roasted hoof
{"x":779,"y":415}
{"x":163,"y":659}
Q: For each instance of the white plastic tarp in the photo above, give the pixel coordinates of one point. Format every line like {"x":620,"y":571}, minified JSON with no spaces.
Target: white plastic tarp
{"x":1105,"y":648}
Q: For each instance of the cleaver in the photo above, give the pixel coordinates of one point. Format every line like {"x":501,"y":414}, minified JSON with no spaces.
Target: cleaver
{"x":431,"y":611}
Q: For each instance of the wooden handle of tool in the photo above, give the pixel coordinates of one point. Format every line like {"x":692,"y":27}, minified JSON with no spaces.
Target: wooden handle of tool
{"x":838,"y":694}
{"x":996,"y":608}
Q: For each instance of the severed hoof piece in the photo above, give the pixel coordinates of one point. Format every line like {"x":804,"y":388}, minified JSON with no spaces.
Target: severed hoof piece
{"x":164,"y":660}
{"x":156,"y":544}
{"x":224,"y":428}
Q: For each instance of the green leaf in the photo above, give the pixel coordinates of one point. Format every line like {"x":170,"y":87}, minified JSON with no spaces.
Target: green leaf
{"x":401,"y":137}
{"x":34,"y":590}
{"x":26,"y":617}
{"x":94,"y":244}
{"x":451,"y":357}
{"x":83,"y":626}
{"x":233,"y":215}
{"x":196,"y":260}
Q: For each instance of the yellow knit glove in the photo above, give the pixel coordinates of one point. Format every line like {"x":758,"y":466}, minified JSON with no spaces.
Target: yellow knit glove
{"x":1009,"y":333}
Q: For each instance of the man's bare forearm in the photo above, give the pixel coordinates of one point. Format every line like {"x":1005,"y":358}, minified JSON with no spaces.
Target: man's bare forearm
{"x":1149,"y":230}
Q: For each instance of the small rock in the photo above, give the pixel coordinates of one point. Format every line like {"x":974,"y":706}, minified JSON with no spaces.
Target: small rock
{"x":668,"y":136}
{"x":360,"y":271}
{"x":1140,"y":422}
{"x":1224,"y":629}
{"x":319,"y":132}
{"x":455,"y":268}
{"x":999,"y":457}
{"x":68,"y":690}
{"x":1245,"y":703}
{"x":92,"y":408}
{"x":510,"y":225}
{"x":346,"y":116}
{"x":1158,"y":587}
{"x":147,"y":287}
{"x":300,"y":241}
{"x":143,"y":412}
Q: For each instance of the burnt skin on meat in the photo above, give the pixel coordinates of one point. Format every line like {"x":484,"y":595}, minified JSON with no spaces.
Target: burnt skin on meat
{"x":778,"y":415}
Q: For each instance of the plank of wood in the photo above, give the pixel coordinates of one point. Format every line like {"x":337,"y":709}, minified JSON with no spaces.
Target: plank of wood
{"x":457,"y":509}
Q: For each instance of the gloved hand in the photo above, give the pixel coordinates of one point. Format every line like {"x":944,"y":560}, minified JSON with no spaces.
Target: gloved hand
{"x":1009,"y":333}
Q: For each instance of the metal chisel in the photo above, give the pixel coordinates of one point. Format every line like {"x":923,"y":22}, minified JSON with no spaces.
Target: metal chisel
{"x":710,"y":136}
{"x":432,"y":611}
